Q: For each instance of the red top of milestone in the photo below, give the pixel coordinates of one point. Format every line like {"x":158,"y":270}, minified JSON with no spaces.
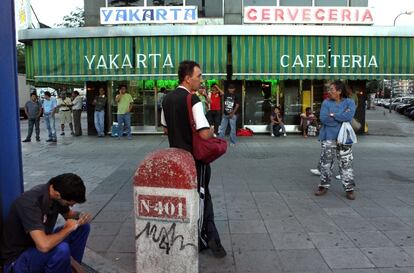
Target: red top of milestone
{"x":167,"y":168}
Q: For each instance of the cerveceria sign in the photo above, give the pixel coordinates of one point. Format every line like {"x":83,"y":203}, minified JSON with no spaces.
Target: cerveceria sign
{"x":308,"y":15}
{"x":148,"y":15}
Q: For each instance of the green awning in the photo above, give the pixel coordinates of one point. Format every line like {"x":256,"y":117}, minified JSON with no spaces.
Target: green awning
{"x":372,"y":57}
{"x":209,"y":51}
{"x":280,"y":57}
{"x":123,"y":58}
{"x":73,"y":60}
{"x":314,"y":57}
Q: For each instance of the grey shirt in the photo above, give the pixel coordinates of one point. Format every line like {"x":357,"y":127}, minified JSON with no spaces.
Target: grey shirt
{"x":33,"y":108}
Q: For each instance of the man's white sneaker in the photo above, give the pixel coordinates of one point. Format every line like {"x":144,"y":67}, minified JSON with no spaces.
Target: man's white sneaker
{"x":272,"y":134}
{"x":315,"y":171}
{"x":338,"y":177}
{"x":284,"y":134}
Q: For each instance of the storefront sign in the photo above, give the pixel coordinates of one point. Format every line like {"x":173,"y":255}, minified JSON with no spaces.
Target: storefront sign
{"x":117,"y":61}
{"x":308,"y":15}
{"x":319,"y":61}
{"x":148,"y":15}
{"x":23,"y":12}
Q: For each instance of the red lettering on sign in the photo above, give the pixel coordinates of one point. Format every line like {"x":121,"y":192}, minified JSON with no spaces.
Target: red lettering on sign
{"x":252,"y":14}
{"x":162,"y":207}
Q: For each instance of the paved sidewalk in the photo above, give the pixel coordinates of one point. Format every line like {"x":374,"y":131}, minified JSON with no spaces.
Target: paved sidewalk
{"x":262,"y":190}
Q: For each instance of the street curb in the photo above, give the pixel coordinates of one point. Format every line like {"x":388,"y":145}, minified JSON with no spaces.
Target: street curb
{"x":99,"y":263}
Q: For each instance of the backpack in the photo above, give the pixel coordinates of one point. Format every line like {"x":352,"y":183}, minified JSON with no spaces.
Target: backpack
{"x":244,"y":132}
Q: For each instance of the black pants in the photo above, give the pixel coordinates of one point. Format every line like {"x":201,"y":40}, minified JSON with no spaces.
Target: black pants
{"x":214,"y":118}
{"x":208,"y":230}
{"x":276,"y":129}
{"x":77,"y":122}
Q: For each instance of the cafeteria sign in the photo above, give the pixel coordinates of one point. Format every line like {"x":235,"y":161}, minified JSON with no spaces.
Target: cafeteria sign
{"x":149,"y":15}
{"x":308,"y":15}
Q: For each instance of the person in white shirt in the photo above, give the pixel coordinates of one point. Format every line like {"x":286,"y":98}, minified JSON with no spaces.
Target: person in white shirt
{"x":77,"y":102}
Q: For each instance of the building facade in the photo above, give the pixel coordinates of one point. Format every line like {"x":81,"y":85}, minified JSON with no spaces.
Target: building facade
{"x":286,"y":55}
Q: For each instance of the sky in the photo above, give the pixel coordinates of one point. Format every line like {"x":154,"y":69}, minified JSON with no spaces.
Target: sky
{"x":51,"y":12}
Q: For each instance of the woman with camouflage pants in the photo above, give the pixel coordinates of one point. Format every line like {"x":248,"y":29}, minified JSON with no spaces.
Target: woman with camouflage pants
{"x":335,"y":110}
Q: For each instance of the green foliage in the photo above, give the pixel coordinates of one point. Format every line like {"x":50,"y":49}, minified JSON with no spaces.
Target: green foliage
{"x":21,"y":61}
{"x":75,"y":19}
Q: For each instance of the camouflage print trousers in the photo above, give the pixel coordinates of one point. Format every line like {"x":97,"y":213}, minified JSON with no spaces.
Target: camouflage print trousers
{"x":343,"y":153}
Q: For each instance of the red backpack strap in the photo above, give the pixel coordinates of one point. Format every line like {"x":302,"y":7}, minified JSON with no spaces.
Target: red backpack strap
{"x":190,"y":112}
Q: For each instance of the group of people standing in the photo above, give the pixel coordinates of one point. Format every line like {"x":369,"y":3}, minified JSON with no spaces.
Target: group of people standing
{"x":70,"y":112}
{"x":50,"y":106}
{"x":220,"y":118}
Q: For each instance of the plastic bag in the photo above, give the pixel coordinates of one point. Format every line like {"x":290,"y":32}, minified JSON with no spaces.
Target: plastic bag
{"x":346,"y":134}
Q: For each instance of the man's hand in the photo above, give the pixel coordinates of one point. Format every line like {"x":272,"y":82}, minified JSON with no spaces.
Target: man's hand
{"x":84,"y":218}
{"x":71,"y":225}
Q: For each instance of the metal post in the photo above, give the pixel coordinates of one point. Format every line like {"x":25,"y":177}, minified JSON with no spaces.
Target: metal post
{"x":11,"y":178}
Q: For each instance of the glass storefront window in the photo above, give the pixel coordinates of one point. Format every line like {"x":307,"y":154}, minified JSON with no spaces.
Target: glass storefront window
{"x":259,"y":2}
{"x":331,"y":3}
{"x":291,"y":101}
{"x":299,"y":3}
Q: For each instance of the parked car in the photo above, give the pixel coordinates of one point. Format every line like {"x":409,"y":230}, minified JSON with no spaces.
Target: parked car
{"x":400,"y":108}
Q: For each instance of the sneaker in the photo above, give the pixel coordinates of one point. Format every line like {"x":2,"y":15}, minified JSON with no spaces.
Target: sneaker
{"x":321,"y":191}
{"x":217,"y":249}
{"x":38,"y":139}
{"x":49,"y":140}
{"x":315,"y":171}
{"x":232,"y":145}
{"x":272,"y":134}
{"x":350,"y":195}
{"x":54,"y":140}
{"x":338,"y":177}
{"x":27,"y":140}
{"x":62,"y":134}
{"x":284,"y":134}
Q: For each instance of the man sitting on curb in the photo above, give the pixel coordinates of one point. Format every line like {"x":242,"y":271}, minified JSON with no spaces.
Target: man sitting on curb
{"x":30,"y":241}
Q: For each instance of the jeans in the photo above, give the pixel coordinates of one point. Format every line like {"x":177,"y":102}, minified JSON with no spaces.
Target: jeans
{"x":33,"y":122}
{"x":50,"y":125}
{"x":57,"y":259}
{"x":99,"y":118}
{"x":223,"y":127}
{"x":124,"y":120}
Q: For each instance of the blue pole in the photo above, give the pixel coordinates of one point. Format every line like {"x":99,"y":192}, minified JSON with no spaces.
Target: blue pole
{"x":11,"y":175}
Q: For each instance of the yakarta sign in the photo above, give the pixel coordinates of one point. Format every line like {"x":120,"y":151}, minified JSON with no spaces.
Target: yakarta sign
{"x":307,"y":15}
{"x":149,"y":15}
{"x":118,"y":61}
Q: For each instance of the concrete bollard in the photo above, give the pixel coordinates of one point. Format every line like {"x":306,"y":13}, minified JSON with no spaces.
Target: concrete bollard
{"x":166,"y":206}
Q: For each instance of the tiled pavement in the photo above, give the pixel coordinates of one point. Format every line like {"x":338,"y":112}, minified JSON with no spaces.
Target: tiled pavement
{"x":267,"y":216}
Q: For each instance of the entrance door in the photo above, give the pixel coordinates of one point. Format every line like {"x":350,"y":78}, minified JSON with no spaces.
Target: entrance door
{"x":292,"y":102}
{"x":145,"y":107}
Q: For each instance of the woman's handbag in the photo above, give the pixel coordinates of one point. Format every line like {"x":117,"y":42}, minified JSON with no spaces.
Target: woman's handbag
{"x":346,"y":134}
{"x":356,"y":125}
{"x":205,"y":150}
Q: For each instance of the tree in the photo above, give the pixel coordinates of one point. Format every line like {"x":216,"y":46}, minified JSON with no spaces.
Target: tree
{"x":21,"y":60}
{"x":75,"y":19}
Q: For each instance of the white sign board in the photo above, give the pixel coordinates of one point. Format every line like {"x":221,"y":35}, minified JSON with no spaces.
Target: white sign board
{"x":149,"y":15}
{"x":23,"y":13}
{"x":308,"y":15}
